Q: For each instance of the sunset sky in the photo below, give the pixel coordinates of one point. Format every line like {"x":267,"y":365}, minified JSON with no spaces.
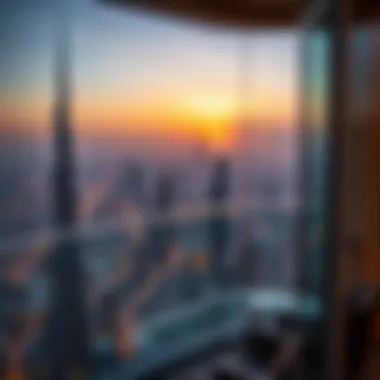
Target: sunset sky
{"x":134,"y":73}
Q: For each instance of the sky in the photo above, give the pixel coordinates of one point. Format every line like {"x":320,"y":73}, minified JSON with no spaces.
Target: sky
{"x":140,"y":74}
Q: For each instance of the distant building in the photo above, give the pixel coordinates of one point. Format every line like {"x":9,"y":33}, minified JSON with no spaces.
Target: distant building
{"x":219,"y":226}
{"x":271,"y":191}
{"x":220,"y":181}
{"x":162,"y":233}
{"x":133,"y":183}
{"x":127,"y":187}
{"x":164,"y":193}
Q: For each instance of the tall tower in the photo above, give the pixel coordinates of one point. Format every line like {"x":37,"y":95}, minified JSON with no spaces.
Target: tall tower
{"x":68,"y":348}
{"x":132,"y":184}
{"x":164,"y":193}
{"x":65,"y":199}
{"x":161,"y":233}
{"x":219,"y":223}
{"x":220,"y":181}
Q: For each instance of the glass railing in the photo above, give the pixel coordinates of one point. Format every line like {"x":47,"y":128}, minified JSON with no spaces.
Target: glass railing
{"x":159,"y":284}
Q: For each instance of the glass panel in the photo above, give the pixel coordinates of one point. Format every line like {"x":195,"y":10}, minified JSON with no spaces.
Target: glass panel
{"x":317,"y":82}
{"x":162,"y":136}
{"x":186,"y":179}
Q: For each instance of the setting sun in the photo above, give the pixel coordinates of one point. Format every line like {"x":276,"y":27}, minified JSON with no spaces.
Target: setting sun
{"x":213,"y":116}
{"x":212,"y":108}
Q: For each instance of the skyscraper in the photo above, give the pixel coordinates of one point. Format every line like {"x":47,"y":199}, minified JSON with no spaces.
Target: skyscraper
{"x":220,"y":181}
{"x":219,"y":223}
{"x":162,"y":233}
{"x":133,"y":183}
{"x":164,"y":193}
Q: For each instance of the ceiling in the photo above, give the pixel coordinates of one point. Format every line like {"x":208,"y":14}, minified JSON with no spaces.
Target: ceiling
{"x":226,"y":13}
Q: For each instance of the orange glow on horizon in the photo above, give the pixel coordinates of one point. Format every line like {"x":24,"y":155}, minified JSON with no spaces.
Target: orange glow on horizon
{"x":212,"y":115}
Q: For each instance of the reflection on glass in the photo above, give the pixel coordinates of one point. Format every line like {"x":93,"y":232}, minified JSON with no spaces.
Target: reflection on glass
{"x":316,"y":144}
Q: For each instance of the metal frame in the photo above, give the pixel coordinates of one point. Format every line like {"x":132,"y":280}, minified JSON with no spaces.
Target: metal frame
{"x":331,"y":15}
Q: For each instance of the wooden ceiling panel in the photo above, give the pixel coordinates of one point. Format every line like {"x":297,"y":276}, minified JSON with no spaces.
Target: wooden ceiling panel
{"x":226,"y":13}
